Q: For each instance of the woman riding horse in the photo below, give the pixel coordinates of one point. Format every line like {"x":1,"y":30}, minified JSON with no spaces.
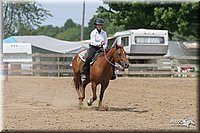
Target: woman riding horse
{"x":100,"y":73}
{"x":98,"y":39}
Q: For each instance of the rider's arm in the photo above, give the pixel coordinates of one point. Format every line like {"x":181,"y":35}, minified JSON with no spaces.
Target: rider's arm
{"x":106,"y":41}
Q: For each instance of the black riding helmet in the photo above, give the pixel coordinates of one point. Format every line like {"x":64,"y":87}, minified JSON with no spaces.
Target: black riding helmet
{"x":98,"y":21}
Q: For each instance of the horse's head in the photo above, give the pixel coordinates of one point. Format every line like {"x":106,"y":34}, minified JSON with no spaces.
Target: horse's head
{"x":120,"y":57}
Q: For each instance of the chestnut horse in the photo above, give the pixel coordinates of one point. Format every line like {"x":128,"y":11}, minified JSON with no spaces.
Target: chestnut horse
{"x":100,"y":73}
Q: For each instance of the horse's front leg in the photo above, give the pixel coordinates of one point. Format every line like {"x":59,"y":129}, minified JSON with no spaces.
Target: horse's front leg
{"x":103,"y":88}
{"x":91,"y":100}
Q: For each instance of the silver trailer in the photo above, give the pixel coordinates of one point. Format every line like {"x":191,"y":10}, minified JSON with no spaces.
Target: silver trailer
{"x":142,"y":41}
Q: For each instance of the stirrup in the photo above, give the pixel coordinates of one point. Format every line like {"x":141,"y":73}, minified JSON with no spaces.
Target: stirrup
{"x":83,"y":77}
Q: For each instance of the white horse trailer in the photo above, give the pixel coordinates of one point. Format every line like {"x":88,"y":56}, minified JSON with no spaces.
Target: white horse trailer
{"x":142,"y":41}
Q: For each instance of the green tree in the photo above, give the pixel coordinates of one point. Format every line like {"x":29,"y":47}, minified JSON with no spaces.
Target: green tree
{"x":22,"y":30}
{"x":27,"y":14}
{"x":130,"y":15}
{"x":70,"y":31}
{"x":178,"y":18}
{"x":48,"y":30}
{"x":71,"y":34}
{"x":69,"y":24}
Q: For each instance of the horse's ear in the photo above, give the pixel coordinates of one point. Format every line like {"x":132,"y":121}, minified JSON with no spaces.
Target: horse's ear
{"x":113,"y":46}
{"x":116,"y":46}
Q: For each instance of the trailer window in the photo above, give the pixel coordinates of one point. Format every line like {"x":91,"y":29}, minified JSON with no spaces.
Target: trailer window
{"x":125,"y":41}
{"x":112,"y":41}
{"x":149,"y":40}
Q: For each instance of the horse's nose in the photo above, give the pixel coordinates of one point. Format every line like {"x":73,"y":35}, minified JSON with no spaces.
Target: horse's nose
{"x":126,"y":65}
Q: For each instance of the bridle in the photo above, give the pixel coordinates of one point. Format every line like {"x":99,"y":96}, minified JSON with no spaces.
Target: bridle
{"x":116,"y":66}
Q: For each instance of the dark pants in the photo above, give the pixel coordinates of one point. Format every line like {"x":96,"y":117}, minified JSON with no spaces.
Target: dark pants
{"x":91,"y":53}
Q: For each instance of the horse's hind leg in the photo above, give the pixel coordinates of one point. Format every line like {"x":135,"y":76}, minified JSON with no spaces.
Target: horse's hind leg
{"x":91,"y":100}
{"x":103,"y":88}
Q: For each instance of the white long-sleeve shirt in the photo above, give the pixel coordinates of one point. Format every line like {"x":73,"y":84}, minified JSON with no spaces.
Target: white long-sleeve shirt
{"x":96,"y":38}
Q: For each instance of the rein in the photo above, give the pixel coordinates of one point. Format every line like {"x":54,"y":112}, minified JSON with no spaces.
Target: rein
{"x":110,"y":61}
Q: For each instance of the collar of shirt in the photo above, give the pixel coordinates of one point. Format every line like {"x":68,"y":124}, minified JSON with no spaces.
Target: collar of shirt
{"x":98,"y":32}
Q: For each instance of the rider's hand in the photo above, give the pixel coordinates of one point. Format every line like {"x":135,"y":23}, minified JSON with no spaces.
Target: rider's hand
{"x":103,"y":42}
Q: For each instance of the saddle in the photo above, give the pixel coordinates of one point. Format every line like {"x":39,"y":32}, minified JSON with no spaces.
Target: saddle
{"x":83,"y":55}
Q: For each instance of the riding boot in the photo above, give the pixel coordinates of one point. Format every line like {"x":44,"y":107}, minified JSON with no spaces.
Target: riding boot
{"x":86,"y":67}
{"x":113,"y":75}
{"x":85,"y":71}
{"x":83,"y":76}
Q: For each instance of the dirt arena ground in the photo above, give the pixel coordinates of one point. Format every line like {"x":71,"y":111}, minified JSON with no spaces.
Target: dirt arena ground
{"x":142,"y":104}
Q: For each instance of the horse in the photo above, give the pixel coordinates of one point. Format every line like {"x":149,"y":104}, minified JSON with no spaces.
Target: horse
{"x":100,"y":73}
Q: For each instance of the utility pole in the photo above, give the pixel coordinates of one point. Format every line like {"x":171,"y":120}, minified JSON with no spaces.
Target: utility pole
{"x":83,"y":19}
{"x":1,"y":61}
{"x":1,"y":31}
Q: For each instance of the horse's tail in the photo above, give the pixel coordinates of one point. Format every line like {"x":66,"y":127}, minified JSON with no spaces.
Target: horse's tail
{"x":76,"y":82}
{"x":77,"y":74}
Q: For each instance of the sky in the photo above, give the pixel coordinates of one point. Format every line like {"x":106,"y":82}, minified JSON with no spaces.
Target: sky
{"x":63,"y":10}
{"x":66,"y":9}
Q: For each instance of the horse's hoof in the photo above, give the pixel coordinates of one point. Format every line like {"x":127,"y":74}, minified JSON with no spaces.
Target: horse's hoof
{"x":103,"y":108}
{"x":89,"y":103}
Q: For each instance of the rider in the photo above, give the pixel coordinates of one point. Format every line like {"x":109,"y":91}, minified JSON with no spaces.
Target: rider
{"x":98,"y":39}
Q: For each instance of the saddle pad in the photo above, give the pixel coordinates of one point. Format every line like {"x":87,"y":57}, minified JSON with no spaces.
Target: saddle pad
{"x":83,"y":55}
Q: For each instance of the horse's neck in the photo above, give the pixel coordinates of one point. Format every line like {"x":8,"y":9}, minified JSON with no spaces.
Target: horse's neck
{"x":110,"y":53}
{"x":102,"y":65}
{"x":106,"y":57}
{"x":108,"y":60}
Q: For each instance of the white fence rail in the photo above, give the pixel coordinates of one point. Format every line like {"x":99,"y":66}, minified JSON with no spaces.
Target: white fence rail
{"x":59,"y":65}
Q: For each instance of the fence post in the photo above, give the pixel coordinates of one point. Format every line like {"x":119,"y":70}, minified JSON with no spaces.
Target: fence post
{"x":172,"y":64}
{"x":58,"y":66}
{"x":37,"y":68}
{"x":4,"y":71}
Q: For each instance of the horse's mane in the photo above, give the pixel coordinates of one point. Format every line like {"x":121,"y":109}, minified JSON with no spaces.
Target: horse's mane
{"x":108,"y":49}
{"x":102,"y":53}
